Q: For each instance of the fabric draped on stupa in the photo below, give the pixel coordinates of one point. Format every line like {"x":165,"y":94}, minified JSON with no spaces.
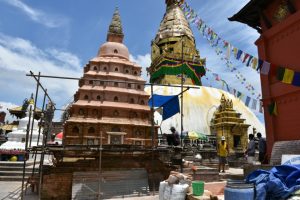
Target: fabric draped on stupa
{"x":199,"y":107}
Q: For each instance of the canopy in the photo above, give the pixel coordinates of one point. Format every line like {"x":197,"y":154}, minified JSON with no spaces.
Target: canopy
{"x":193,"y":135}
{"x":59,"y":135}
{"x":170,"y":104}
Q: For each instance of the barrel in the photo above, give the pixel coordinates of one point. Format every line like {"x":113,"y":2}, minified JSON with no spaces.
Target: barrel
{"x":198,"y":188}
{"x":238,"y":189}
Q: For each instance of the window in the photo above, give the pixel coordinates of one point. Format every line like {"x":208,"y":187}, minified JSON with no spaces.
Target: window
{"x":101,"y":82}
{"x":133,"y":115}
{"x":98,"y":98}
{"x":126,"y":71}
{"x":81,"y":112}
{"x":95,"y":112}
{"x":91,"y":130}
{"x":95,"y":68}
{"x":138,"y":133}
{"x":91,"y":82}
{"x":86,"y":97}
{"x":104,"y":69}
{"x":142,"y":102}
{"x":90,"y":141}
{"x":75,"y":129}
{"x":138,"y":87}
{"x":129,"y":85}
{"x":135,"y":73}
{"x":116,"y":113}
{"x":131,"y":100}
{"x":116,"y":129}
{"x":115,"y":51}
{"x":116,"y":99}
{"x":116,"y":69}
{"x":116,"y":84}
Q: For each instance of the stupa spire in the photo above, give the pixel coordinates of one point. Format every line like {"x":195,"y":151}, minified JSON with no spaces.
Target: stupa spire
{"x":115,"y":30}
{"x":171,"y":2}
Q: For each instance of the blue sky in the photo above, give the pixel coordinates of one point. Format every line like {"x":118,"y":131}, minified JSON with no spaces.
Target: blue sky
{"x":59,"y":37}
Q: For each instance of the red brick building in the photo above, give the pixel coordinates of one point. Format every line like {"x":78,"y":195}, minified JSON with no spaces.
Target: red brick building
{"x":278,"y":22}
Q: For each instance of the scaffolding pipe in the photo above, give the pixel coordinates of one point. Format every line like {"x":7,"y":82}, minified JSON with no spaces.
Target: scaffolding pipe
{"x":152,"y":139}
{"x":25,"y":157}
{"x":89,"y":79}
{"x":34,"y":108}
{"x":38,"y":82}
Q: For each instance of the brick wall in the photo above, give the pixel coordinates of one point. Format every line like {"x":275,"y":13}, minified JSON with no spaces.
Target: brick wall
{"x":57,"y":181}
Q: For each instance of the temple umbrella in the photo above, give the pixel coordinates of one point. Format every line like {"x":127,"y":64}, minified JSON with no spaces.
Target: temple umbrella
{"x":59,"y":136}
{"x":193,"y":135}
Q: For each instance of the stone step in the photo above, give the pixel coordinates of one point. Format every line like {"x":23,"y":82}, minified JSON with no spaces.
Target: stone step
{"x":14,"y":173}
{"x":15,"y":163}
{"x":12,"y":178}
{"x":17,"y":168}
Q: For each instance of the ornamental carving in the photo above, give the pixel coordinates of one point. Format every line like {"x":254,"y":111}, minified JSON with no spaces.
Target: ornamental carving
{"x":282,"y":11}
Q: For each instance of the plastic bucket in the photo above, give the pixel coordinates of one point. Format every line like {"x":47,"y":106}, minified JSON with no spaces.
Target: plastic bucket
{"x":238,"y":190}
{"x":198,"y":188}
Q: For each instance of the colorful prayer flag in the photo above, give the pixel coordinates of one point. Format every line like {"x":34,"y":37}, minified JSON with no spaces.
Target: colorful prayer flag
{"x":280,"y":73}
{"x":288,"y":76}
{"x":265,"y":68}
{"x":238,"y":55}
{"x":254,"y":103}
{"x":249,"y":60}
{"x":254,"y":63}
{"x":260,"y":64}
{"x":245,"y":57}
{"x":247,"y":101}
{"x":296,"y":81}
{"x":273,"y":109}
{"x":260,"y":107}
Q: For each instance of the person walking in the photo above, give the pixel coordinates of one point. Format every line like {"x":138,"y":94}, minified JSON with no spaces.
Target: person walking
{"x":262,"y":148}
{"x":175,"y":139}
{"x":250,"y":152}
{"x":222,"y":153}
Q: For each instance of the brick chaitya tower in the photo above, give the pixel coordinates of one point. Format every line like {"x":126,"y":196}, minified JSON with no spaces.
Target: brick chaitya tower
{"x":111,"y":99}
{"x":108,"y":135}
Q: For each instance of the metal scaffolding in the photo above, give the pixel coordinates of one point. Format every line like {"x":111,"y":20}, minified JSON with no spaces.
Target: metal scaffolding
{"x":46,"y":120}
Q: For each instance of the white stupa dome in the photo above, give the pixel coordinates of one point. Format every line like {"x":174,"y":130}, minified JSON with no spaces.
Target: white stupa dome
{"x":199,"y":107}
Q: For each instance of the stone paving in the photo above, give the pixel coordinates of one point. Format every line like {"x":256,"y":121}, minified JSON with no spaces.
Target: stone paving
{"x":12,"y":191}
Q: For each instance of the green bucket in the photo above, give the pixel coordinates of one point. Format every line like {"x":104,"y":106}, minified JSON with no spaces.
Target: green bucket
{"x":198,"y":188}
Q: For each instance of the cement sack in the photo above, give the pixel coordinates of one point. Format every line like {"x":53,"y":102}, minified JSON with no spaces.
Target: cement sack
{"x":175,"y":192}
{"x":162,"y":186}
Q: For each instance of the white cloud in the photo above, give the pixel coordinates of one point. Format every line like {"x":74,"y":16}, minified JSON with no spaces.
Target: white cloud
{"x":19,"y":56}
{"x":38,"y":15}
{"x":144,"y":61}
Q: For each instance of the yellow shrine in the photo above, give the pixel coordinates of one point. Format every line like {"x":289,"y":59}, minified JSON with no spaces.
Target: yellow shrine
{"x":227,"y":122}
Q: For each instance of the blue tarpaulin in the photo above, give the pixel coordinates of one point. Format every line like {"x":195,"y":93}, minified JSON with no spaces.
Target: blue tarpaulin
{"x":278,"y":183}
{"x":170,"y":104}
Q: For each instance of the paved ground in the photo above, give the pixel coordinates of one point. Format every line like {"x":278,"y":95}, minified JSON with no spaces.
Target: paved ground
{"x":12,"y":191}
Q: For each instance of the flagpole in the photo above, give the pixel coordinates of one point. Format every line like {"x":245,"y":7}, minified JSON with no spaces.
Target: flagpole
{"x":181,"y":169}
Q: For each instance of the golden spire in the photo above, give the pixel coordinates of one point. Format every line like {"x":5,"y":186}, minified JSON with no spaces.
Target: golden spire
{"x":174,"y":23}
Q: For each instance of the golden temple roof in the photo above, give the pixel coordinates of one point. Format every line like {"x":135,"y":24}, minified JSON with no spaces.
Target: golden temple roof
{"x":174,"y":24}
